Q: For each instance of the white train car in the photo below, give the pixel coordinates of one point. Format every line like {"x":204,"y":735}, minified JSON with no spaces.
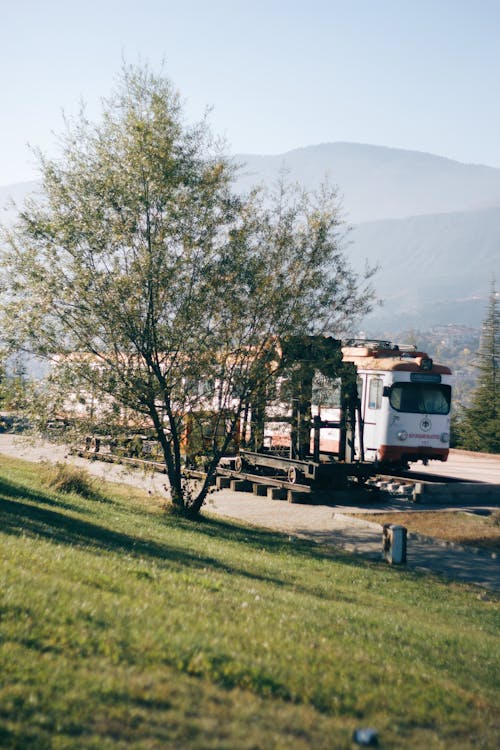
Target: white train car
{"x":405,"y":403}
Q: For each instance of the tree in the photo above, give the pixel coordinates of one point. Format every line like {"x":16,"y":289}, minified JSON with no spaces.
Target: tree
{"x":479,"y":426}
{"x":159,"y":292}
{"x":13,"y":384}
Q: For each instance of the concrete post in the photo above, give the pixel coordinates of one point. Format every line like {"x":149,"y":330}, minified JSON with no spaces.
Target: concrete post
{"x":394,"y":544}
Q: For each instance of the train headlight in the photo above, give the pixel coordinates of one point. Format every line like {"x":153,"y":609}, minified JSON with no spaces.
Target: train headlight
{"x":402,"y":435}
{"x":445,"y":437}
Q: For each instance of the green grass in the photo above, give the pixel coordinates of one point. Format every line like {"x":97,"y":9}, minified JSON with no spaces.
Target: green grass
{"x":122,"y":627}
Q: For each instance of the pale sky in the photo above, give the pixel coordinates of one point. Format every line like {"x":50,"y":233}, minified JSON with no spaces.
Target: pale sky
{"x":278,"y":74}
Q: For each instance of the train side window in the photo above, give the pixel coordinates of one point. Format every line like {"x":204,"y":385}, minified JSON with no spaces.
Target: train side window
{"x":375,"y":393}
{"x":359,"y":383}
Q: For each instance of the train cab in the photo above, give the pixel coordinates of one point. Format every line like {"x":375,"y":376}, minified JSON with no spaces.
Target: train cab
{"x":405,"y":403}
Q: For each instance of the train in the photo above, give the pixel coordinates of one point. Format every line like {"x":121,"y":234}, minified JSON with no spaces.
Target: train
{"x":334,"y":410}
{"x":405,"y":400}
{"x":403,"y":407}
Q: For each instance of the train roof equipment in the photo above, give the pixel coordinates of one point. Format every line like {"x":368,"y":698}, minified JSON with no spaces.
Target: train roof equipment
{"x":385,"y":356}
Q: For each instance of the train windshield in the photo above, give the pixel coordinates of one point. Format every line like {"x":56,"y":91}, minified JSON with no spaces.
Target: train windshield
{"x":421,"y":398}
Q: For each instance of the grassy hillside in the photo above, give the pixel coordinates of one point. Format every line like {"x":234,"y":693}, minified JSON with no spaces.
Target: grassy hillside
{"x":121,"y":627}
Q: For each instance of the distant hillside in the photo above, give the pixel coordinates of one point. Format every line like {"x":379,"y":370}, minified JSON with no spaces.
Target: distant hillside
{"x":380,"y":183}
{"x":432,"y":224}
{"x":433,"y":269}
{"x":16,"y":193}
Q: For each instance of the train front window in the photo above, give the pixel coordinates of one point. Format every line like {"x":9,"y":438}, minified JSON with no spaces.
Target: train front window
{"x":421,"y":398}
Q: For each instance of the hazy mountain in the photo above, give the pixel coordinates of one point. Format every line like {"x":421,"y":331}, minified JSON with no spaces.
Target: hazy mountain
{"x":433,"y":269}
{"x":377,"y":182}
{"x":432,"y":224}
{"x":15,"y":195}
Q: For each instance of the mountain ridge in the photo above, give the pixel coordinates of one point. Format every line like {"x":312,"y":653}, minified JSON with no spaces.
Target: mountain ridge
{"x":373,"y":147}
{"x":378,"y":182}
{"x":431,"y":223}
{"x":435,"y":268}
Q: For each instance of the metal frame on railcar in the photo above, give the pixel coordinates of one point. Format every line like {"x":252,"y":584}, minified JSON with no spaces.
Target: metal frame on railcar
{"x":287,"y":433}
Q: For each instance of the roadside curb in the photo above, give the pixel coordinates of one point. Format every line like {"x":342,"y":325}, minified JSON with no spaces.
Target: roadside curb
{"x":424,"y":538}
{"x":467,"y":549}
{"x":361,"y":522}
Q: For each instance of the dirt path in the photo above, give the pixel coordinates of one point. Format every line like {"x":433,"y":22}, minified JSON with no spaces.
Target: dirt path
{"x":26,"y":448}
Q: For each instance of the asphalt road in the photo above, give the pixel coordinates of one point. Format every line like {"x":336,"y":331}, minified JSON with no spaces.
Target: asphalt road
{"x":470,"y":467}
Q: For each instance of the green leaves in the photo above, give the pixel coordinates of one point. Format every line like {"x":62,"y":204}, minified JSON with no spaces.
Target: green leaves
{"x":149,"y":276}
{"x":479,"y":426}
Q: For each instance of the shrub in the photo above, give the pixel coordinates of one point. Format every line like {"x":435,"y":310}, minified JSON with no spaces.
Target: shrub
{"x":68,"y":478}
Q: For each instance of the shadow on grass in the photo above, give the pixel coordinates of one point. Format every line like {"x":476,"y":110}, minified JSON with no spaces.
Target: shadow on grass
{"x":21,"y":513}
{"x":263,"y":540}
{"x":18,"y":518}
{"x":9,"y":489}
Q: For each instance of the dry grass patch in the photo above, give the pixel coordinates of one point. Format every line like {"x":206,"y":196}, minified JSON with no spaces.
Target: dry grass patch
{"x":455,"y":526}
{"x":67,"y":478}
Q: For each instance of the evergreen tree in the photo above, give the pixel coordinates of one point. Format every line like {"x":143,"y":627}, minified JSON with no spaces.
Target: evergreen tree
{"x":480,"y":426}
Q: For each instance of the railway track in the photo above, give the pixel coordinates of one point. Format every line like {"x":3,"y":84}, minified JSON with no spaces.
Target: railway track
{"x":416,"y":487}
{"x":420,"y":489}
